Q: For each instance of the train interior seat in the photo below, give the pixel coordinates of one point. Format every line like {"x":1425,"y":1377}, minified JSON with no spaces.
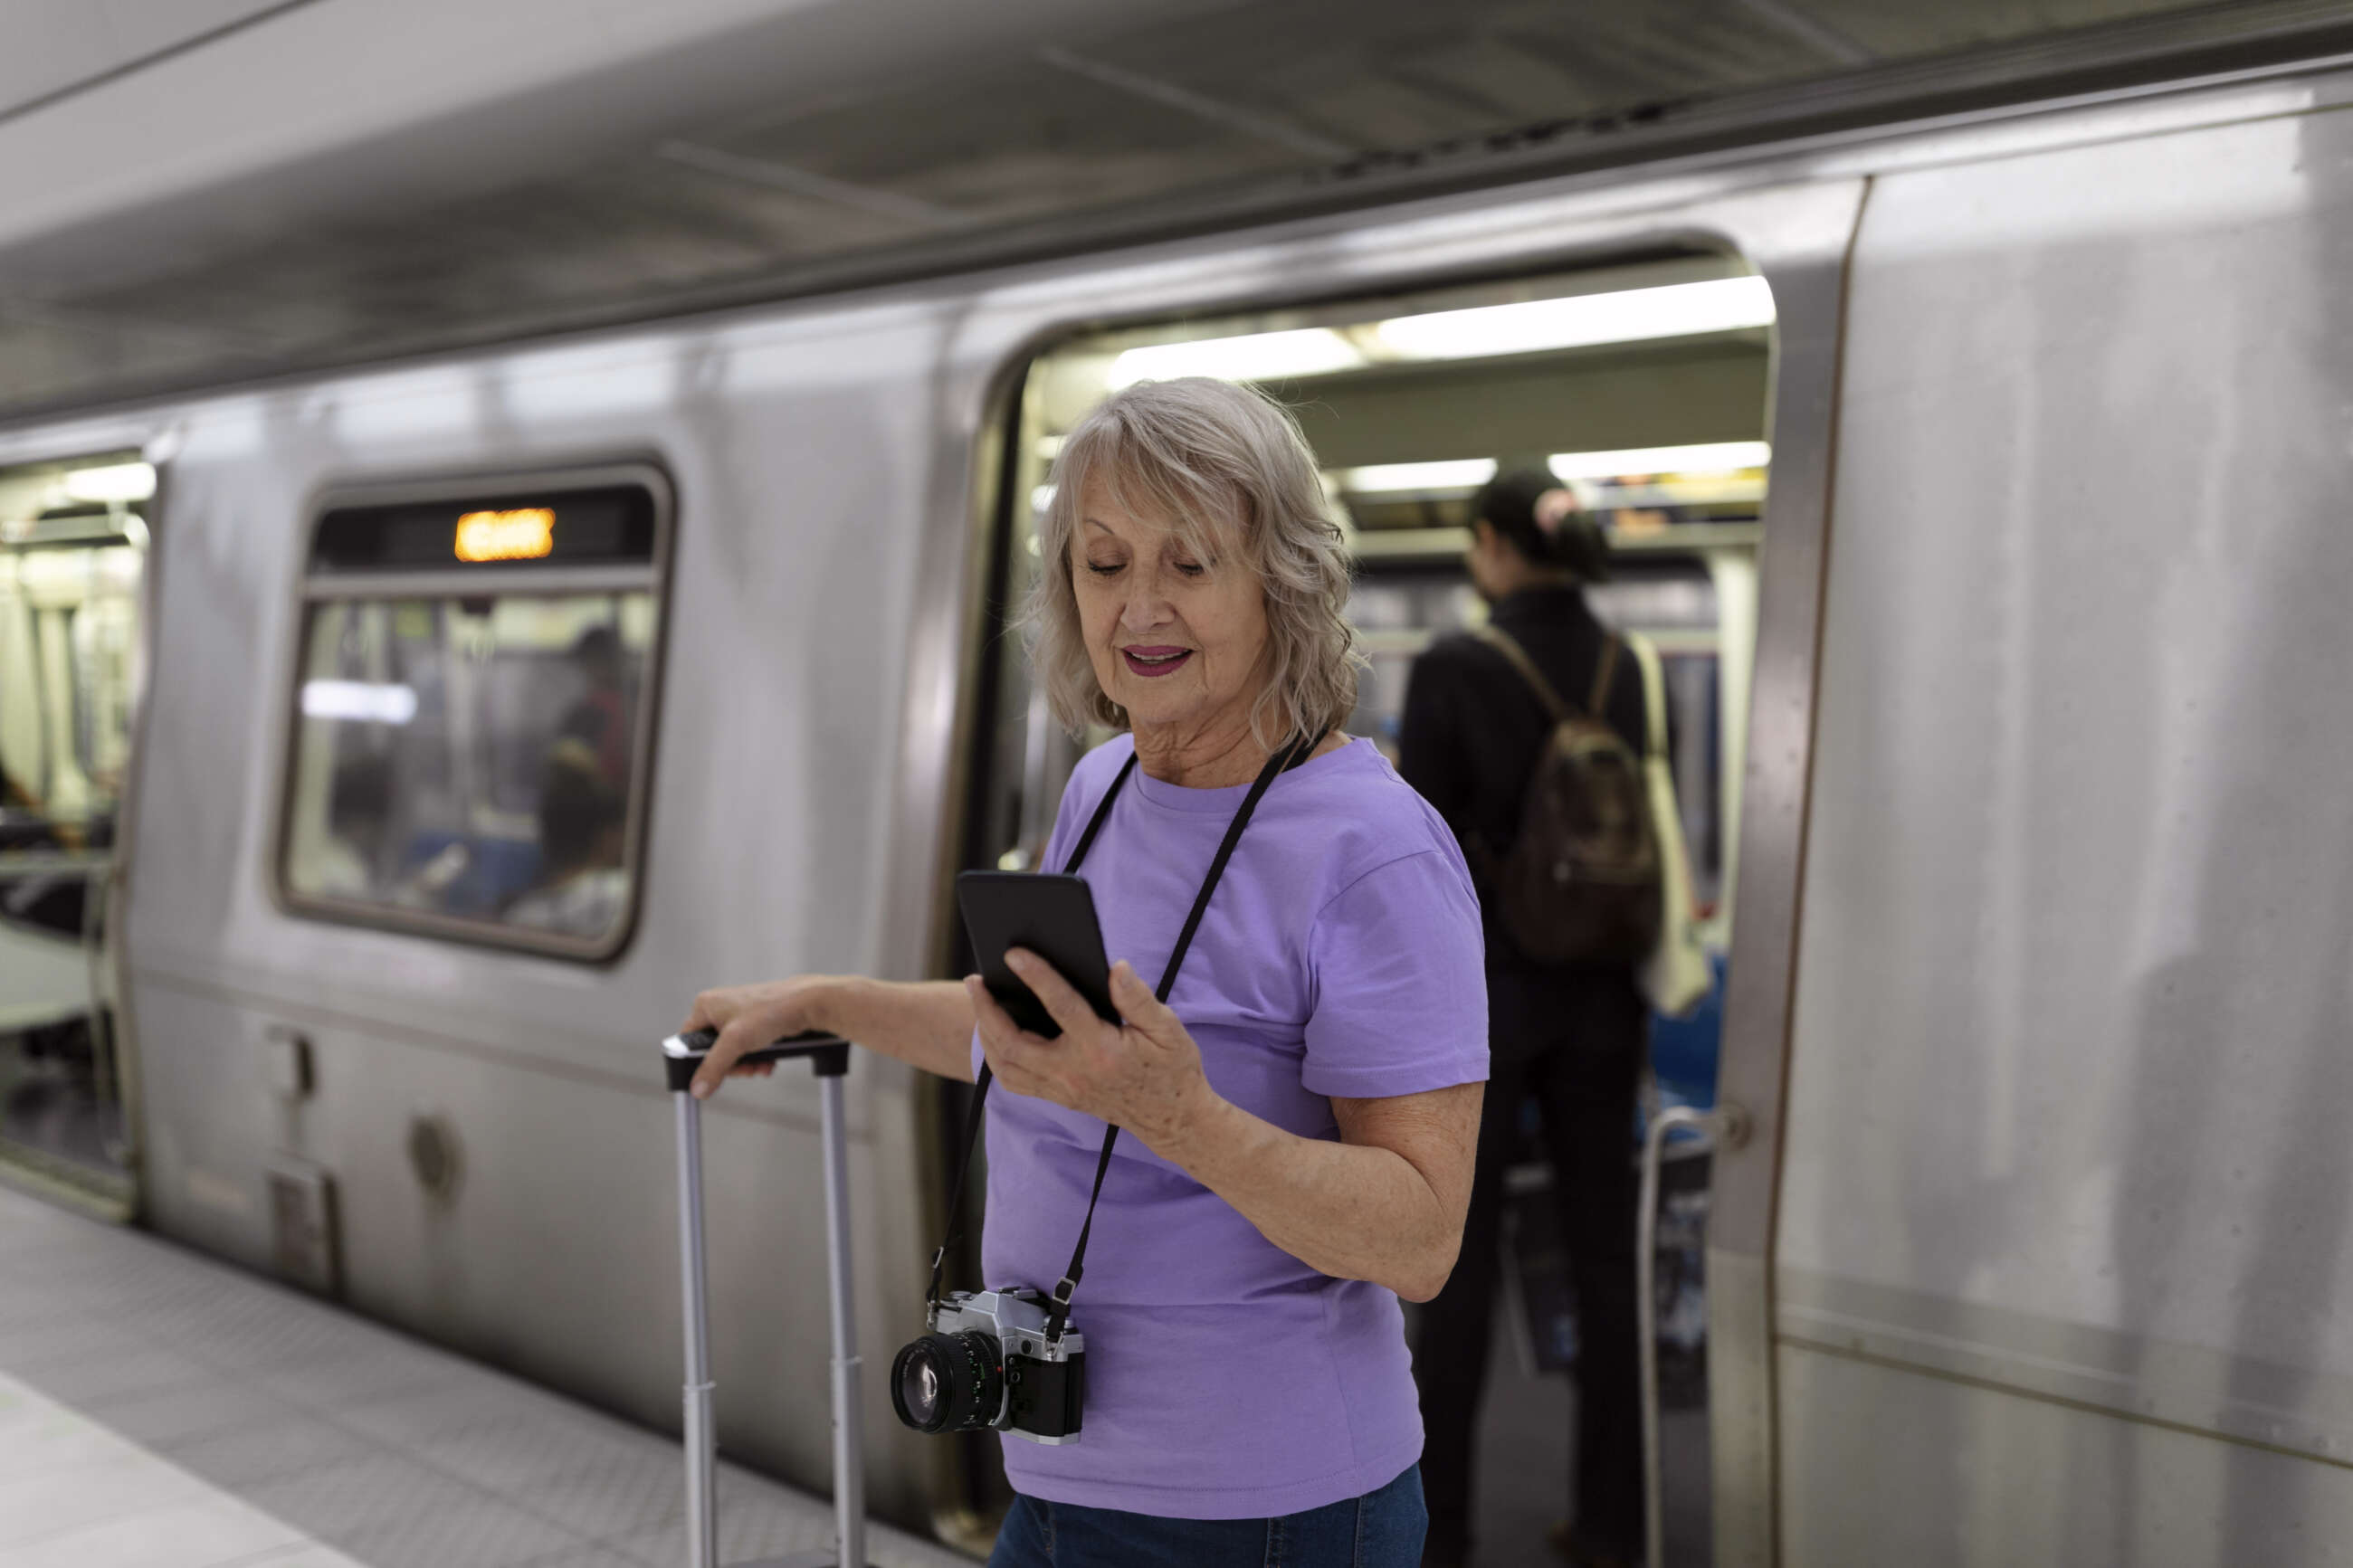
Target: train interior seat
{"x":492,"y":870}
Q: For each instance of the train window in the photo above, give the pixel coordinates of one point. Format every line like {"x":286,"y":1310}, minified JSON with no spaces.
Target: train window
{"x":472,"y":718}
{"x":70,"y":567}
{"x":73,"y":548}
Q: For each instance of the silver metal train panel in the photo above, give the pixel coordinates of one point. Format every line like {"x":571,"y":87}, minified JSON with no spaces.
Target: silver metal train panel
{"x":2064,"y":1111}
{"x":795,"y":447}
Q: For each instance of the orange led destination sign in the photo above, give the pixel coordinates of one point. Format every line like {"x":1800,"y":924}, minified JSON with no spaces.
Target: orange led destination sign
{"x":525,"y":534}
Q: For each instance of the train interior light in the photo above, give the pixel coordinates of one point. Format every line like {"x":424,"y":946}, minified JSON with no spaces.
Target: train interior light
{"x":1450,"y":474}
{"x":111,"y":484}
{"x":364,"y":701}
{"x":1255,"y":356}
{"x":1713,"y":457}
{"x":1577,"y":321}
{"x":1582,"y":320}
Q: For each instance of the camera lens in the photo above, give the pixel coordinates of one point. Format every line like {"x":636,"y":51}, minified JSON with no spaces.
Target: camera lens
{"x":948,"y":1382}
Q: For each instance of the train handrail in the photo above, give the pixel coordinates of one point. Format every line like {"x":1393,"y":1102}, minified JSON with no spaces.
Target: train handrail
{"x":1726,"y":1127}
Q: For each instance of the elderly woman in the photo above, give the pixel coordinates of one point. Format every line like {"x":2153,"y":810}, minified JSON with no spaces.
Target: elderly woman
{"x":1300,"y":1118}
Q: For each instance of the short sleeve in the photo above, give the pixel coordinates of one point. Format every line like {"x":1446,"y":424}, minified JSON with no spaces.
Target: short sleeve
{"x":1081,"y":793}
{"x":1401,"y":984}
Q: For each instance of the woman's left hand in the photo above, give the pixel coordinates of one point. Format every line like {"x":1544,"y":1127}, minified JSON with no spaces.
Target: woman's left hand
{"x":1143,"y":1076}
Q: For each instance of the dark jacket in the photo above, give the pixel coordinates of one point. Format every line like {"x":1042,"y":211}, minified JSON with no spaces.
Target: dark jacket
{"x":1468,"y":740}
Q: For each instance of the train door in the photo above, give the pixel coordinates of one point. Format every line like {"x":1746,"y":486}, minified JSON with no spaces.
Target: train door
{"x":1641,"y":389}
{"x":73,"y":555}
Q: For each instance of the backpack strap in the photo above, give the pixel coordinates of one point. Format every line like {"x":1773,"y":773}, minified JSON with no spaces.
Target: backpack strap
{"x":1502,"y":642}
{"x":1655,"y":696}
{"x":1598,"y":705}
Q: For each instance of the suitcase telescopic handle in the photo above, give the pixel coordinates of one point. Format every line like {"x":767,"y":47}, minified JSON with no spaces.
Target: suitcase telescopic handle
{"x":828,"y":1055}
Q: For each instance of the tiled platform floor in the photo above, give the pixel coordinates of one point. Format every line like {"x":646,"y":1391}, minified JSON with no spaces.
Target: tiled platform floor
{"x":305,"y":1437}
{"x":75,"y":1495}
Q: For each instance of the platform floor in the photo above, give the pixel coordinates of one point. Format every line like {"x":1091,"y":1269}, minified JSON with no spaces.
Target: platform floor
{"x":159,"y":1409}
{"x":1525,"y":1454}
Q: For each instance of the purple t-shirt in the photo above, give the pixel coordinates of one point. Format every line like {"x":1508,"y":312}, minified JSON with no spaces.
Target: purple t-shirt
{"x":1341,"y":955}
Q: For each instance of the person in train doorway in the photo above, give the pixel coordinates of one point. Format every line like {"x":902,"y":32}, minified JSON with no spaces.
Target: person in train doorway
{"x":1297,"y":1117}
{"x":1570,"y":1035}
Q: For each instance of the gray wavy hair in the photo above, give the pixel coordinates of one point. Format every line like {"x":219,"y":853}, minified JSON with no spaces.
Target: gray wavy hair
{"x":1225,"y":464}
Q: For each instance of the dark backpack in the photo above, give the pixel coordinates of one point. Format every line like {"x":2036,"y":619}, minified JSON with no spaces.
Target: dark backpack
{"x":1581,"y":882}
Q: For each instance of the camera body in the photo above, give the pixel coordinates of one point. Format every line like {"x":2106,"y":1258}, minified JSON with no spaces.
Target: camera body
{"x":987,"y":1362}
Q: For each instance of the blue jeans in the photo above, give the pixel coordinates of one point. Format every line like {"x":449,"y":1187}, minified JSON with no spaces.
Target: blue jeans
{"x":1379,"y":1529}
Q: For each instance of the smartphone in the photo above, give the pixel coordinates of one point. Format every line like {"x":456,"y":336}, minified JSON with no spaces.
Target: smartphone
{"x":1053,"y":916}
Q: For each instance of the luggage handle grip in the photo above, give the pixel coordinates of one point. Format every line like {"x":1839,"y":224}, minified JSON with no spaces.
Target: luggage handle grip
{"x":829,"y":1055}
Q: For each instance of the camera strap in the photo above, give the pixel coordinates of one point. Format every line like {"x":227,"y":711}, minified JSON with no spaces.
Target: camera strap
{"x":1059,"y":1313}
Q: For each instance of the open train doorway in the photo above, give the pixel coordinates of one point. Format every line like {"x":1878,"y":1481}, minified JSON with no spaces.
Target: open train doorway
{"x":1640,"y":389}
{"x":73,"y":568}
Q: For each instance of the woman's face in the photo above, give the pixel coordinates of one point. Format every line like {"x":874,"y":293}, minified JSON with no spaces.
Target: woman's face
{"x":1175,"y":640}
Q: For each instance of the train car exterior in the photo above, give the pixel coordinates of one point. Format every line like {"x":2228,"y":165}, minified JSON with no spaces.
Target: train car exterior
{"x":2062,"y":1224}
{"x":2037,"y":985}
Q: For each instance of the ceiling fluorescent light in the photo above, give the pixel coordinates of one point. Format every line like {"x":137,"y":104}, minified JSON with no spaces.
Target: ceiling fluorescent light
{"x":1624,"y":316}
{"x":1459,"y":474}
{"x":114,"y":483}
{"x":359,"y":702}
{"x":1258,"y":356}
{"x":1713,"y":457}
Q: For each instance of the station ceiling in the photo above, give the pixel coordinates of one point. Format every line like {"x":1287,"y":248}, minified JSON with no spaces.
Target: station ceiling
{"x":1059,"y":129}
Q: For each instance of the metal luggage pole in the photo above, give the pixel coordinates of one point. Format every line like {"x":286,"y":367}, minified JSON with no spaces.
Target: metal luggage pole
{"x":848,"y":1447}
{"x":828,"y":1056}
{"x":702,"y":1437}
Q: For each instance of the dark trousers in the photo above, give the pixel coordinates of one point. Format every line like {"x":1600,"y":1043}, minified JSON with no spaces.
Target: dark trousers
{"x":1575,"y":1044}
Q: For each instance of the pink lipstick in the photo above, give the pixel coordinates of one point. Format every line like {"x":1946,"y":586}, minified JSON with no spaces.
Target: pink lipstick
{"x":1150,"y":662}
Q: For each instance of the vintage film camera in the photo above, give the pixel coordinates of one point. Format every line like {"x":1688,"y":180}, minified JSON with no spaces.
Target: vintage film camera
{"x":987,"y":1362}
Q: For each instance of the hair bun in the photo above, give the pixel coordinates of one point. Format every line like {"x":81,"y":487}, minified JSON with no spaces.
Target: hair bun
{"x":1579,"y":544}
{"x":1545,"y":521}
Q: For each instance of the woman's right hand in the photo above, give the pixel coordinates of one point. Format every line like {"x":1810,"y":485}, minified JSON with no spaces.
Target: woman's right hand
{"x":750,"y":1016}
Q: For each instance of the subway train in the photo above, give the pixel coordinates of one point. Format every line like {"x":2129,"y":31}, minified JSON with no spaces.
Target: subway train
{"x":391,"y":754}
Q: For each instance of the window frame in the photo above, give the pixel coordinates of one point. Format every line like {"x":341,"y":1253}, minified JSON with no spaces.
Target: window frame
{"x":311,"y":589}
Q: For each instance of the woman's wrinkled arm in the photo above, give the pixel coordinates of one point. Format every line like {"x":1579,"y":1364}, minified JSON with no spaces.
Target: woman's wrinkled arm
{"x":1385,"y":1204}
{"x":925,"y":1023}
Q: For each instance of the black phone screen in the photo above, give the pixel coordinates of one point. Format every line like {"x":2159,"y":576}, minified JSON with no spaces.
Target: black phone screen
{"x":1053,"y":916}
